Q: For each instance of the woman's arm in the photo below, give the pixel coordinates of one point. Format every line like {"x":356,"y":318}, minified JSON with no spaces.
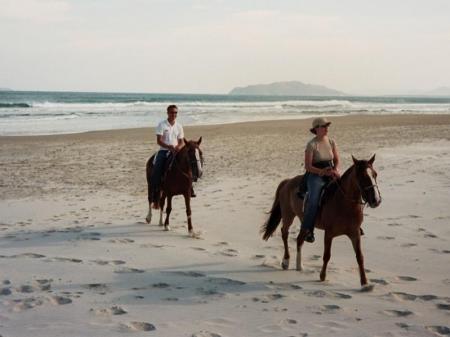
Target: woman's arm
{"x":309,"y":166}
{"x":336,"y":161}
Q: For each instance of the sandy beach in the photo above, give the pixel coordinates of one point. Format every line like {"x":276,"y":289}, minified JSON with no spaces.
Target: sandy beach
{"x":78,"y":259}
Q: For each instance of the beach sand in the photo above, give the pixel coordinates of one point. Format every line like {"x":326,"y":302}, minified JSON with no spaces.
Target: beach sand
{"x":78,"y":259}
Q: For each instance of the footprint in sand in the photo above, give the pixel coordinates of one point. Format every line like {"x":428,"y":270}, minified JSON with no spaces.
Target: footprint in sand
{"x":137,"y":326}
{"x":42,"y":284}
{"x":229,"y":252}
{"x":127,"y":270}
{"x":188,"y":273}
{"x":25,"y":289}
{"x":161,"y":285}
{"x":198,"y":248}
{"x":126,"y":240}
{"x":439,"y":329}
{"x":329,"y":308}
{"x":386,"y":237}
{"x":258,"y":256}
{"x":327,"y":294}
{"x":402,"y":296}
{"x":409,"y":244}
{"x":5,"y":291}
{"x":406,"y":278}
{"x":25,"y":304}
{"x":59,"y":300}
{"x":204,"y":333}
{"x":397,"y":313}
{"x":225,"y":281}
{"x":105,"y":262}
{"x":29,"y":255}
{"x":379,"y":281}
{"x":64,"y":259}
{"x":100,"y":288}
{"x":115,"y":310}
{"x":443,"y":306}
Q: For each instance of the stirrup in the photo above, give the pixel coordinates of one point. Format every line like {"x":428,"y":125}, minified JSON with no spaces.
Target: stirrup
{"x":310,"y":237}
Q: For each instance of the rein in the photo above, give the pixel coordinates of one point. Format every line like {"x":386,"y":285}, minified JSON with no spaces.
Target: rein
{"x":361,"y":201}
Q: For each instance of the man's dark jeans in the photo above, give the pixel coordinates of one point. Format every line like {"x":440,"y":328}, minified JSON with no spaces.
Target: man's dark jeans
{"x":158,"y":168}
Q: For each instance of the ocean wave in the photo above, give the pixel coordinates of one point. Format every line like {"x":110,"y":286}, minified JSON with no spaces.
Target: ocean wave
{"x":14,"y":105}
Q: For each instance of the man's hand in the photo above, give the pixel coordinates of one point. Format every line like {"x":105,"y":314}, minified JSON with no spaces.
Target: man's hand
{"x":172,"y":148}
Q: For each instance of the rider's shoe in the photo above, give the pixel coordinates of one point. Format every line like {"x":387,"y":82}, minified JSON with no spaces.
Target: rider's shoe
{"x":310,"y":237}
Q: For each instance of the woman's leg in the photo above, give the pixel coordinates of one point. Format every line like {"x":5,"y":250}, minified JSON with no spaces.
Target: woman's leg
{"x":315,"y":184}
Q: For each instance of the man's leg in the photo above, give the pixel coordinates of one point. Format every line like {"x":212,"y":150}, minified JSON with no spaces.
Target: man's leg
{"x":157,"y":172}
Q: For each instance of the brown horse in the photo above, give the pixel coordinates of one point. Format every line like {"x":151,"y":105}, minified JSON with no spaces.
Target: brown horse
{"x":340,"y":214}
{"x":186,"y":167}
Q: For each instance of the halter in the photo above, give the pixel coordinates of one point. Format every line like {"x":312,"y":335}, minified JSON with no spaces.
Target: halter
{"x":191,"y":163}
{"x":361,"y":190}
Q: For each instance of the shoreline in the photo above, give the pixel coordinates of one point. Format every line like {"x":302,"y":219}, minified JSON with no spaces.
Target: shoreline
{"x":395,"y":119}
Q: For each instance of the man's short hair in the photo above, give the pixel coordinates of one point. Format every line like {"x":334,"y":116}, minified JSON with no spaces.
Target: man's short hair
{"x":172,"y":106}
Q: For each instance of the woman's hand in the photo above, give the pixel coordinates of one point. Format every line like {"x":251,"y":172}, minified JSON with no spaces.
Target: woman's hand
{"x":335,"y":174}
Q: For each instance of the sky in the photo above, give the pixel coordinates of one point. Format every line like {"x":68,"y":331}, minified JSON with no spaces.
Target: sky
{"x":211,"y":46}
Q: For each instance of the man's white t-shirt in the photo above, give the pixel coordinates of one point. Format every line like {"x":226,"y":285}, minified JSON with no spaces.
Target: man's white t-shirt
{"x":170,"y":133}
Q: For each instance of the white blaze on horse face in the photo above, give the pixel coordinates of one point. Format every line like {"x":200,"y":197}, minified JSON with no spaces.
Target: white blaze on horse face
{"x":199,"y":163}
{"x":374,"y":184}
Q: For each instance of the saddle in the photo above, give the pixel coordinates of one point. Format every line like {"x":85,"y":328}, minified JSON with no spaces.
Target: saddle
{"x":302,"y":189}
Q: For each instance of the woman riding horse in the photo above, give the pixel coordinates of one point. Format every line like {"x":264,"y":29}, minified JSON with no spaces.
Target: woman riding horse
{"x":322,"y":165}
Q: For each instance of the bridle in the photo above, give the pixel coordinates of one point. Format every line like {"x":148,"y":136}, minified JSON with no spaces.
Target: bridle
{"x":363,"y":200}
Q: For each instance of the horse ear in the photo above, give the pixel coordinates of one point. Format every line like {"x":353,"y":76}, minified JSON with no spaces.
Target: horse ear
{"x":185,"y":141}
{"x":199,"y":140}
{"x":354,"y":160}
{"x":371,"y":160}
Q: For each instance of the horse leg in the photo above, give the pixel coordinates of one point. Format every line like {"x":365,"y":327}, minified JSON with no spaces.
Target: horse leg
{"x":187,"y":201}
{"x":356,"y":242}
{"x":168,"y":210}
{"x":162,"y":201}
{"x":287,"y":221}
{"x":300,"y":239}
{"x":326,"y":255}
{"x":148,"y":218}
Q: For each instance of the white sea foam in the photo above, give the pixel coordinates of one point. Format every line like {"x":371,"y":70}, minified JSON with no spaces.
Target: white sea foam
{"x":77,"y":113}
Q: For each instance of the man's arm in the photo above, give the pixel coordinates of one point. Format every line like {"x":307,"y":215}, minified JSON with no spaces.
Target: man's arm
{"x":180,"y":144}
{"x":164,"y":145}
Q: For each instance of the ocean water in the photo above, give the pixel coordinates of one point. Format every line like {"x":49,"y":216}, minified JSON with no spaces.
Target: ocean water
{"x":38,"y":113}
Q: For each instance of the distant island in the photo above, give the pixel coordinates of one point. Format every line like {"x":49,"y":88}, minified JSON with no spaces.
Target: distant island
{"x":5,"y":89}
{"x":291,"y":88}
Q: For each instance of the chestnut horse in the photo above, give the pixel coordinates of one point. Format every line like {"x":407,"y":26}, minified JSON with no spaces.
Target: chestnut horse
{"x":341,"y":212}
{"x":184,"y":168}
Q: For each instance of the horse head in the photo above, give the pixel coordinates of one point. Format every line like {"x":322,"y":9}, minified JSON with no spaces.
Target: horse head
{"x":195,"y":155}
{"x":366,"y":177}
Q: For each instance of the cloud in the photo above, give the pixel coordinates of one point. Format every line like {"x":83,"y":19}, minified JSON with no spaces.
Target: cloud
{"x":41,"y":11}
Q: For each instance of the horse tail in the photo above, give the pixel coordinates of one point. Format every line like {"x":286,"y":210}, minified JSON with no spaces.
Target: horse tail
{"x":275,"y":215}
{"x":148,"y":172}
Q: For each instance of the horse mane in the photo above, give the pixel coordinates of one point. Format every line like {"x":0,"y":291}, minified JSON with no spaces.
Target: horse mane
{"x":332,"y":187}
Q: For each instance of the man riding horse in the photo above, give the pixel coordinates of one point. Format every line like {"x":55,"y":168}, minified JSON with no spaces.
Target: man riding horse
{"x":170,"y":138}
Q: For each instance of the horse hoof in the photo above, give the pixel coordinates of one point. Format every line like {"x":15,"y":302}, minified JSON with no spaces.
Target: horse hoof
{"x":285,"y":264}
{"x":161,"y":224}
{"x":299,"y":268}
{"x":322,"y":277}
{"x":148,"y":220}
{"x":167,"y":228}
{"x":367,"y":288}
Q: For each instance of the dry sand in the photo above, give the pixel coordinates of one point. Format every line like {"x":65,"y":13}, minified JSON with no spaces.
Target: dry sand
{"x":77,"y":258}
